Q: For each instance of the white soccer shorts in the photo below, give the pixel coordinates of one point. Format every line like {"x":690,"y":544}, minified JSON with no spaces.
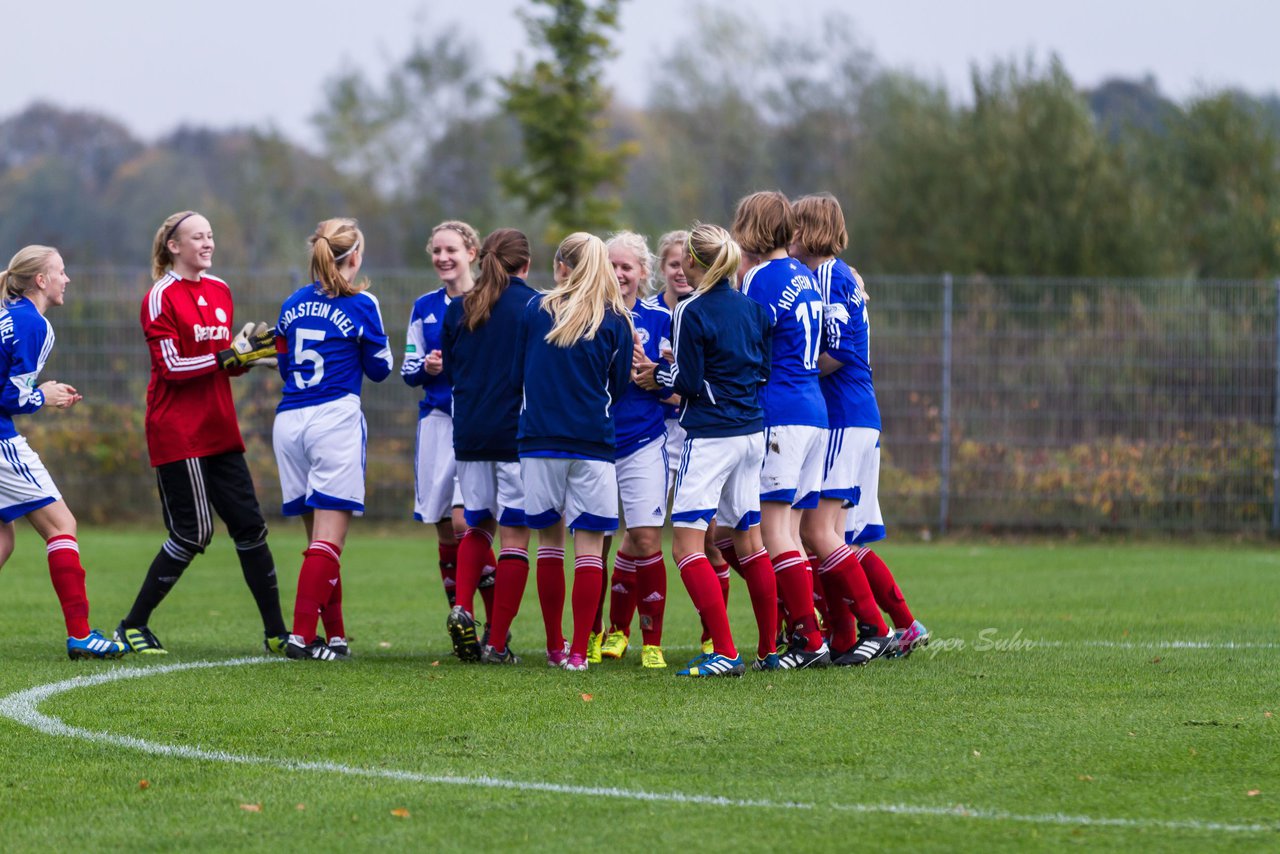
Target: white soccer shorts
{"x":320,"y":452}
{"x":845,"y":450}
{"x":792,"y":470}
{"x":582,"y":492}
{"x":25,"y":485}
{"x":491,"y":490}
{"x":719,"y":479}
{"x":435,"y":474}
{"x":864,"y":524}
{"x":675,"y":446}
{"x":642,"y":485}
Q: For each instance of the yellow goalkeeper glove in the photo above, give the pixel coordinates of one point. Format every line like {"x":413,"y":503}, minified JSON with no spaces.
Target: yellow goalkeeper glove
{"x":254,"y":342}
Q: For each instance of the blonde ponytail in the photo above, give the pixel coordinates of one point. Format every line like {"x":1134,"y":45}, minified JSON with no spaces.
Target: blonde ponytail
{"x":578,"y":304}
{"x":20,"y":276}
{"x":332,"y":243}
{"x":161,"y":257}
{"x":713,"y":249}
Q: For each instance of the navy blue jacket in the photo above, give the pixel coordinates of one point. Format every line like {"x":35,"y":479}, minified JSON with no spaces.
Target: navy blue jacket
{"x":569,"y":392}
{"x":722,"y":355}
{"x":486,"y":400}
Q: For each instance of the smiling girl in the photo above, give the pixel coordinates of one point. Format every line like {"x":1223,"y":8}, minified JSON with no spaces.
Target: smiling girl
{"x":192,"y":434}
{"x":35,"y":280}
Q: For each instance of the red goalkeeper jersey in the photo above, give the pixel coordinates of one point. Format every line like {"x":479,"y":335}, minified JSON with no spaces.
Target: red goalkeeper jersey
{"x":190,"y":412}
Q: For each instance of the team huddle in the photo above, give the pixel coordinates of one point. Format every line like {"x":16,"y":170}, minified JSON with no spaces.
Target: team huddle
{"x":737,"y":401}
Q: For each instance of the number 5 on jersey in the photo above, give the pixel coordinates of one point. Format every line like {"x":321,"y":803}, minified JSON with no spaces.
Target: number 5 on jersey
{"x":302,"y":355}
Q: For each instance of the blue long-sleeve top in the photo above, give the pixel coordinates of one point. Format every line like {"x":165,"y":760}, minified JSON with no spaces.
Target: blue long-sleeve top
{"x":26,"y":339}
{"x":426,"y":329}
{"x":569,"y":392}
{"x":330,"y":345}
{"x":849,"y":390}
{"x":640,"y":415}
{"x":477,"y":364}
{"x":722,"y":354}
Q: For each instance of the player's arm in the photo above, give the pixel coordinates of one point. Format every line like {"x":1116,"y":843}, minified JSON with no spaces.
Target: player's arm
{"x":166,"y":357}
{"x":375,"y":350}
{"x":620,"y":369}
{"x":766,"y":335}
{"x":448,"y":337}
{"x":412,"y":369}
{"x":685,"y":375}
{"x":522,"y":341}
{"x":20,"y":395}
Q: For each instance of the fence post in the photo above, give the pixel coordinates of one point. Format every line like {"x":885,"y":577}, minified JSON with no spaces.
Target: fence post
{"x":944,"y":464}
{"x":1275,"y":428}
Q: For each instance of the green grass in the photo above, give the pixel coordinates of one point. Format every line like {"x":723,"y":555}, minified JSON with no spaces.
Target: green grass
{"x":1127,"y":731}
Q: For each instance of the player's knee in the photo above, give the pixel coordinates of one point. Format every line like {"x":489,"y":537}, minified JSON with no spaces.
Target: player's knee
{"x":250,"y":537}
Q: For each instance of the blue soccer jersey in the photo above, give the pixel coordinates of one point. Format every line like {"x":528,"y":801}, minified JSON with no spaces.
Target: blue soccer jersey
{"x":789,"y":293}
{"x":849,"y":391}
{"x":426,"y":329}
{"x":25,"y":341}
{"x":332,"y":343}
{"x":640,"y":415}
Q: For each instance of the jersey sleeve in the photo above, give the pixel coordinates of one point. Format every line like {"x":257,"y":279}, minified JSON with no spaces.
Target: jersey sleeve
{"x":841,"y":318}
{"x":20,"y":395}
{"x":375,"y":350}
{"x":449,"y":337}
{"x":161,"y":329}
{"x":684,"y":376}
{"x":620,"y":367}
{"x":522,"y":341}
{"x":412,"y":370}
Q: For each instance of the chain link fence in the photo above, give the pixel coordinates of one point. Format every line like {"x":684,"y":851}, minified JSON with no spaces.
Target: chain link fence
{"x":1015,"y":404}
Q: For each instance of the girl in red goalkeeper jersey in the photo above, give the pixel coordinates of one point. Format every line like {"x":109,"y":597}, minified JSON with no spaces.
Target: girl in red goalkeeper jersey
{"x":192,"y":434}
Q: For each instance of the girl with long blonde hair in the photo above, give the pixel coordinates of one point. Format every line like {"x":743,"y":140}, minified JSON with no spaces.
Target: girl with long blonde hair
{"x":573,"y":358}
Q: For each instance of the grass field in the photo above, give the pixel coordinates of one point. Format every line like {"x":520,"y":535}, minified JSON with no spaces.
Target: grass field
{"x":1119,"y":696}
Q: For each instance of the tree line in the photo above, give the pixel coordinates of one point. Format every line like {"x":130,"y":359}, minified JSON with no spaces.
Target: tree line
{"x":1027,"y":175}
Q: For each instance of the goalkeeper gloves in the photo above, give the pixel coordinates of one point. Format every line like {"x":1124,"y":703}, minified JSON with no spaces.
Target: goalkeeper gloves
{"x":255,"y":343}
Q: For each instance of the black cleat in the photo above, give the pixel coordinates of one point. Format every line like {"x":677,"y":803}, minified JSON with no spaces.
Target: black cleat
{"x":317,"y":650}
{"x":489,"y":655}
{"x":869,"y":647}
{"x":462,"y":630}
{"x":798,"y":658}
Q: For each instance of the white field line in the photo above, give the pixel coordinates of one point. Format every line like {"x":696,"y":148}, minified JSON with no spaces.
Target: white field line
{"x":22,"y":707}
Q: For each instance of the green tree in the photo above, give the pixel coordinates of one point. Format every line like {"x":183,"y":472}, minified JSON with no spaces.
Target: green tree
{"x":561,"y":105}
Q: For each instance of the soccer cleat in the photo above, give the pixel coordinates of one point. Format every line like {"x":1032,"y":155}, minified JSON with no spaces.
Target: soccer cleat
{"x":139,"y":639}
{"x":910,"y":638}
{"x":708,"y":646}
{"x":94,"y":645}
{"x":558,"y":658}
{"x":614,"y":645}
{"x":715,"y":665}
{"x":339,"y":646}
{"x":577,"y":663}
{"x":462,"y":630}
{"x":317,"y":650}
{"x":275,"y":643}
{"x":489,"y":655}
{"x":868,"y":648}
{"x":769,"y":662}
{"x":594,"y":644}
{"x":798,"y":658}
{"x":484,"y":637}
{"x":651,"y":656}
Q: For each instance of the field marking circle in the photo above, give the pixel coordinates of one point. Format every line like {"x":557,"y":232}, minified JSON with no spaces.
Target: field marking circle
{"x":23,"y":708}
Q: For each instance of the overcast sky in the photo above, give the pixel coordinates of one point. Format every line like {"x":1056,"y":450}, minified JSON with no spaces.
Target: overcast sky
{"x":155,"y":65}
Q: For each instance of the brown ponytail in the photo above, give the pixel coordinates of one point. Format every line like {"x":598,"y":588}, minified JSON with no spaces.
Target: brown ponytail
{"x":161,"y":257}
{"x":504,"y":253}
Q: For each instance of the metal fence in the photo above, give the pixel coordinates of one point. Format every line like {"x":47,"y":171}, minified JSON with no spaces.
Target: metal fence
{"x":1009,"y":404}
